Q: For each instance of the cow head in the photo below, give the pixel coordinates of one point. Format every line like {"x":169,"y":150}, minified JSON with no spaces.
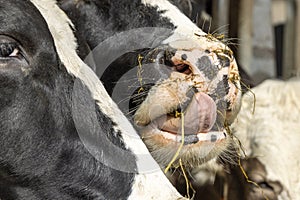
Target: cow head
{"x":41,"y":79}
{"x":270,"y":137}
{"x":176,"y":84}
{"x":195,"y":97}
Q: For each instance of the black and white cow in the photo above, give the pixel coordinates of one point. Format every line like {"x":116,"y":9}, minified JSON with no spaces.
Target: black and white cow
{"x":47,"y":135}
{"x":156,"y":74}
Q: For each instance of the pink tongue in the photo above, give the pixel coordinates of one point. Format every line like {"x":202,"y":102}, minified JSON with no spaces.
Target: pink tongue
{"x":199,"y":117}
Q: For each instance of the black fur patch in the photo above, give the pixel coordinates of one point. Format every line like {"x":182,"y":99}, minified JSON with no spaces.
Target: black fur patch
{"x":97,"y":20}
{"x":205,"y":66}
{"x":41,"y":154}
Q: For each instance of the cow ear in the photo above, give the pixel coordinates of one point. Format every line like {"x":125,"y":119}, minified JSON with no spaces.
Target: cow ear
{"x":257,"y":173}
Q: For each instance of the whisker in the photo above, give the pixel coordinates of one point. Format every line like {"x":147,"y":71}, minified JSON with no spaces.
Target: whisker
{"x":220,"y":28}
{"x":203,"y":24}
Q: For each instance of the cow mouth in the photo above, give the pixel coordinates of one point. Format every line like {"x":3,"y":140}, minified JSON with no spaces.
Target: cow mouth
{"x":191,"y":124}
{"x":193,"y":133}
{"x":195,"y":122}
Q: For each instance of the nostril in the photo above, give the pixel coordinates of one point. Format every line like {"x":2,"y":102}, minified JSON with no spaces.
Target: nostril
{"x":183,"y":68}
{"x":165,"y":57}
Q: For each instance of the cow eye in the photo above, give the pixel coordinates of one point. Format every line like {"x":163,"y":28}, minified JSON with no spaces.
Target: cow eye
{"x":8,"y":50}
{"x":265,"y":185}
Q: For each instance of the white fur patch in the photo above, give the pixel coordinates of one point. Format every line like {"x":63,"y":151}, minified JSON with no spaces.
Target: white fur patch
{"x":186,"y":35}
{"x":65,"y":42}
{"x":153,"y":184}
{"x":182,"y":23}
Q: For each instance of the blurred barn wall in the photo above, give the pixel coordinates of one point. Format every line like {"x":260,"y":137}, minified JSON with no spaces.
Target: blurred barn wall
{"x":265,"y":34}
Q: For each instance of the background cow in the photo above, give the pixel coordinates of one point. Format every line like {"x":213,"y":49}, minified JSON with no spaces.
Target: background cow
{"x":270,"y":137}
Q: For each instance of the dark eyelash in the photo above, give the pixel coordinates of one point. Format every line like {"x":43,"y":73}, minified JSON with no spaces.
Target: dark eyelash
{"x":7,"y":48}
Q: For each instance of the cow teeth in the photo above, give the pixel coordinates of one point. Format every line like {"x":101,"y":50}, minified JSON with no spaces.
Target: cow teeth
{"x":213,"y":136}
{"x":189,"y":139}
